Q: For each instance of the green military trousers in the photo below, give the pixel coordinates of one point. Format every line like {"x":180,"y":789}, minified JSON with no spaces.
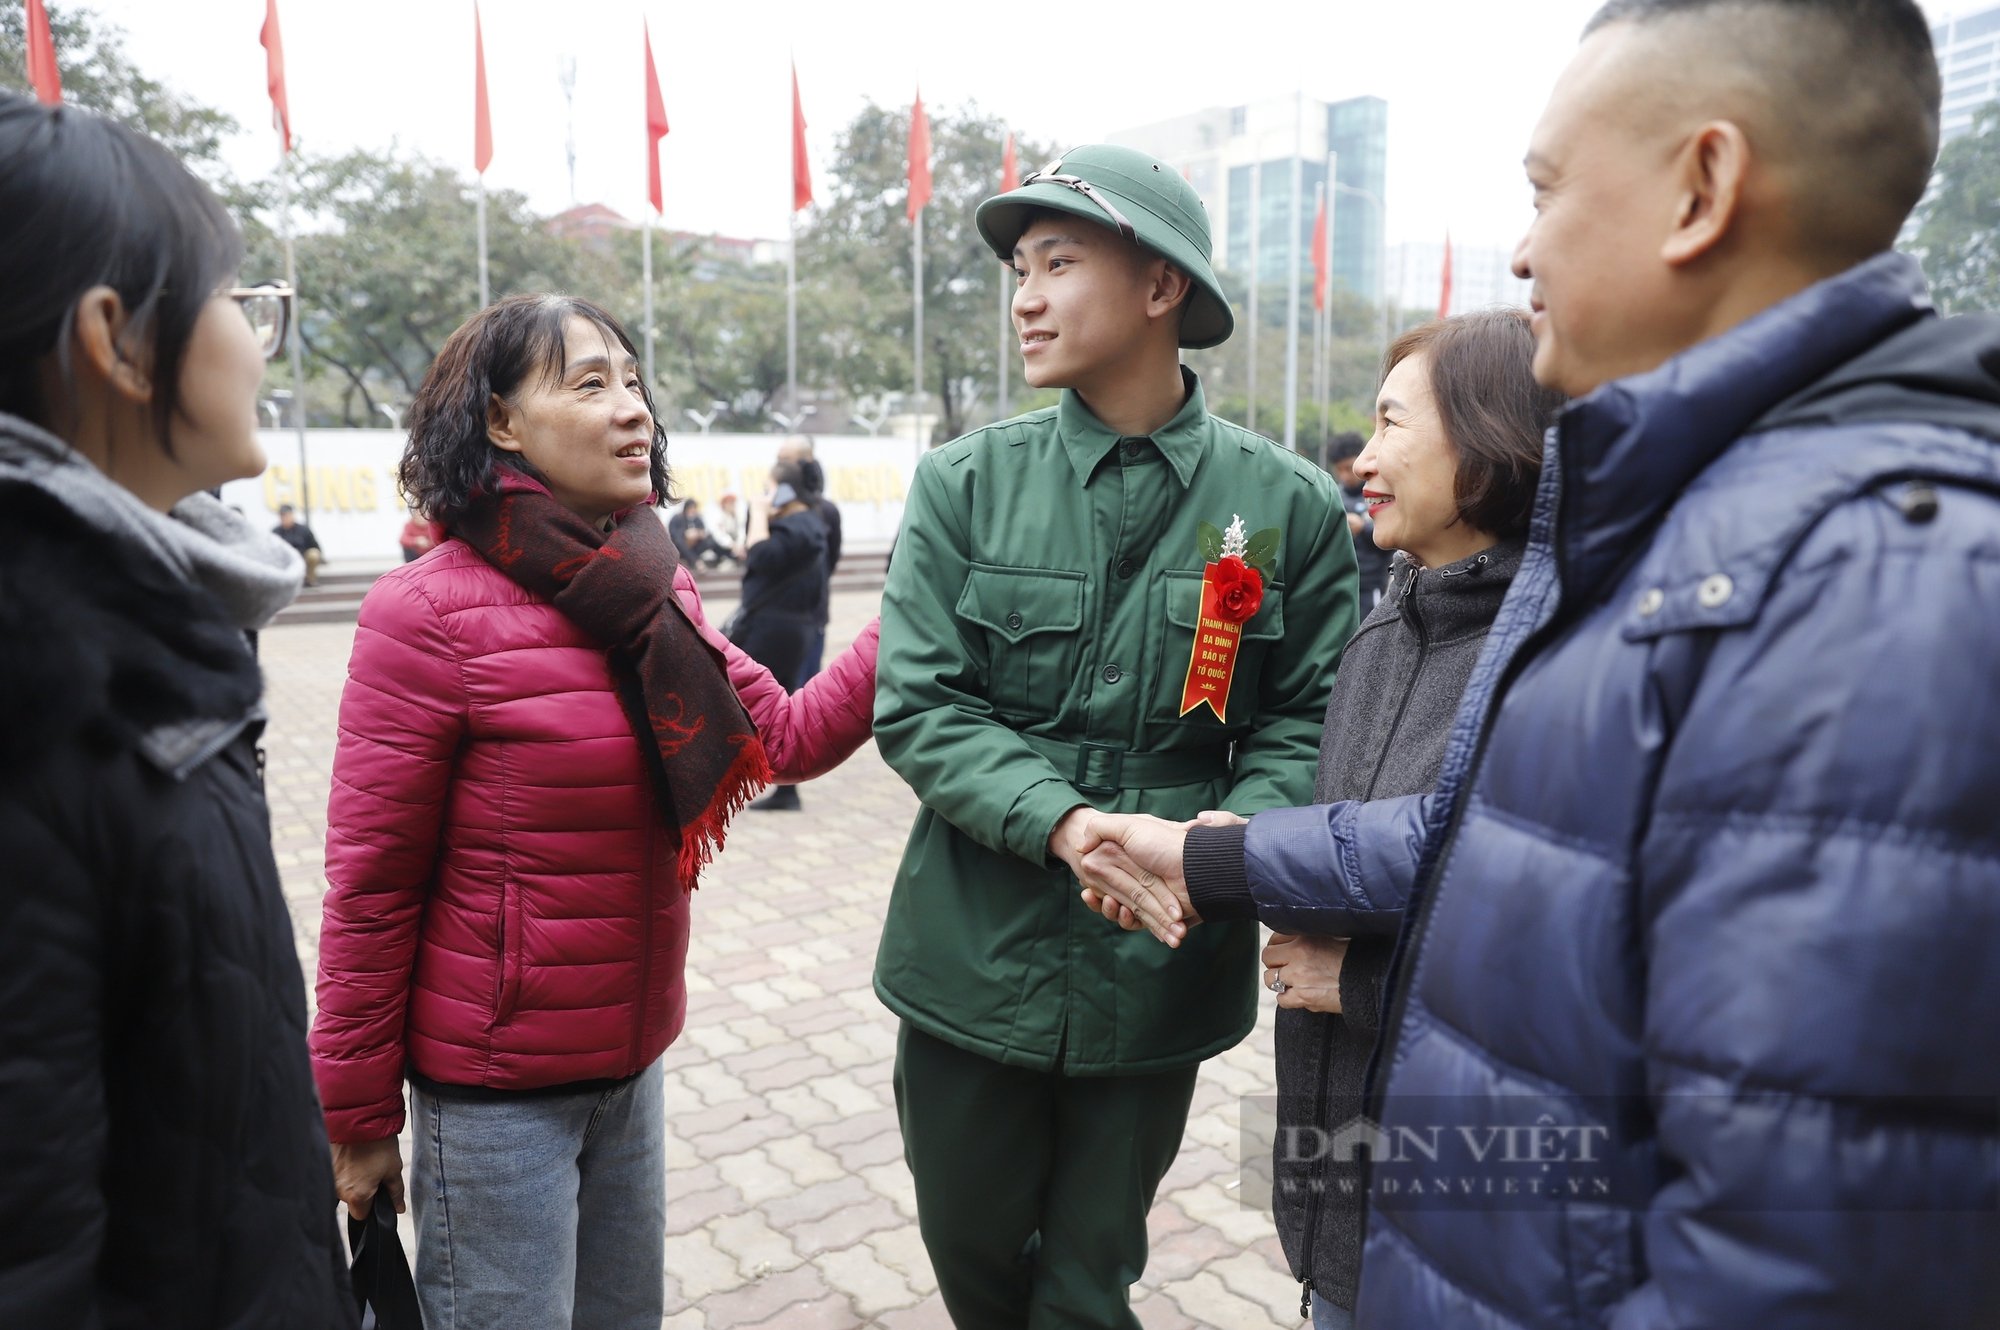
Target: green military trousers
{"x":1033,"y":1187}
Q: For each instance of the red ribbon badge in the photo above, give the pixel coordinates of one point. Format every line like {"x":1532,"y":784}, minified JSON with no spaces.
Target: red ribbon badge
{"x":1231,"y":593}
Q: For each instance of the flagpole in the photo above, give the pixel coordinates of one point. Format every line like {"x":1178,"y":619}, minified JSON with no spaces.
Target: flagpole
{"x":485,"y":297}
{"x":1256,"y":276}
{"x":292,"y":335}
{"x":1292,"y":293}
{"x":1006,"y":345}
{"x":646,"y":276}
{"x":917,"y":341}
{"x":1318,"y":315}
{"x":1326,"y":314}
{"x":792,"y":316}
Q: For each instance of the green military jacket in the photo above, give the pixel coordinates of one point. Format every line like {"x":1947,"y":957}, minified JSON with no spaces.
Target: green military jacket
{"x":1037,"y":628}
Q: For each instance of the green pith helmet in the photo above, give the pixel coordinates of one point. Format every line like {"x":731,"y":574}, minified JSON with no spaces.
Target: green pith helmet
{"x":1123,"y":190}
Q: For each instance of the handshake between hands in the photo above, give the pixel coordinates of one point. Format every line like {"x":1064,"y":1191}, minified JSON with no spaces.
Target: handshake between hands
{"x":1130,"y":867}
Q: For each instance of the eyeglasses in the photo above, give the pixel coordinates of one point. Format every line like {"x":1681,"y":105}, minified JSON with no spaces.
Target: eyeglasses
{"x":1052,"y":175}
{"x":268,"y":308}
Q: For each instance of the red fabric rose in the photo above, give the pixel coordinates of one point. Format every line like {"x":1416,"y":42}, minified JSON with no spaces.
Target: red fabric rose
{"x":1239,"y":590}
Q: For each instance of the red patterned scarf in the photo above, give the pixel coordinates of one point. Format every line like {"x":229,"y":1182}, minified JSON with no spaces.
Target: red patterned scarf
{"x":619,"y":589}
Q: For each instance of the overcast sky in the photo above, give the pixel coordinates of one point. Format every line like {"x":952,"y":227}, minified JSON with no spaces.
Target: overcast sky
{"x":1464,"y":79}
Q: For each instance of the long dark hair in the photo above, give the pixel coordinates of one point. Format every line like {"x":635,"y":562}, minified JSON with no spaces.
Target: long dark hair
{"x":86,"y":202}
{"x":450,"y":459}
{"x":1493,"y":412}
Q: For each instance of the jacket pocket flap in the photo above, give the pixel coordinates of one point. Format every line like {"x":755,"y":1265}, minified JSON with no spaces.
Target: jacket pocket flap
{"x":1020,"y":602}
{"x":1184,"y":605}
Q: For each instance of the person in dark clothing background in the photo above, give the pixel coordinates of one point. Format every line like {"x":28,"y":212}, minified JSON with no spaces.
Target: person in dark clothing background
{"x":162,"y":1157}
{"x":784,"y":589}
{"x":1369,"y":558}
{"x":813,"y":490}
{"x":301,"y":538}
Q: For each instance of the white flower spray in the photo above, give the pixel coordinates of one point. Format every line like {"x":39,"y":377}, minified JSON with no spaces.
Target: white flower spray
{"x":1235,"y":540}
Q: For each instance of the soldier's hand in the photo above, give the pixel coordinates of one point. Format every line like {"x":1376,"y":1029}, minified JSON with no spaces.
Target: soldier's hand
{"x":1136,"y":865}
{"x":1071,"y":839}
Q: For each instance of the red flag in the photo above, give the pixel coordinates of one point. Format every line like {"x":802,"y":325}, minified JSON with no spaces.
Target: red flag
{"x":1444,"y":288}
{"x":920,"y":157}
{"x":42,"y":72}
{"x":482,"y":116}
{"x":1010,"y":168}
{"x":802,"y":180}
{"x":1319,"y":256}
{"x":274,"y":71}
{"x":656,"y":123}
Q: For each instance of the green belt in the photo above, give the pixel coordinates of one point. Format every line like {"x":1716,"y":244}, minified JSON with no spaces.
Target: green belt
{"x":1098,"y":768}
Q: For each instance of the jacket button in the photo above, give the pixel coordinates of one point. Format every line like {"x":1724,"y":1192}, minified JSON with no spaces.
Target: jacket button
{"x":1014,"y":621}
{"x":1650,"y":603}
{"x":1716,"y":589}
{"x":1126,"y":567}
{"x":1112,"y":674}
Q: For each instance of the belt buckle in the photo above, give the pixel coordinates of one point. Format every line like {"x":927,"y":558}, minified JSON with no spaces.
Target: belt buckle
{"x":1115,"y":773}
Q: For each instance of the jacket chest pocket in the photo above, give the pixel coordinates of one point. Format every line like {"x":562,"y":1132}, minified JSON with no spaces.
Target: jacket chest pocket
{"x":1180,"y":589}
{"x":1032,"y":619}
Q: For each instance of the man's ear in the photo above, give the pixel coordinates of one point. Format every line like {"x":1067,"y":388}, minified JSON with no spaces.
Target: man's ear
{"x":502,"y":424}
{"x":98,"y":331}
{"x":1711,"y":170}
{"x":1169,"y":288}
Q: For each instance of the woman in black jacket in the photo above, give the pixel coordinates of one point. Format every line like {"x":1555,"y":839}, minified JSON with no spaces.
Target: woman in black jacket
{"x":162,"y":1158}
{"x":784,"y":588}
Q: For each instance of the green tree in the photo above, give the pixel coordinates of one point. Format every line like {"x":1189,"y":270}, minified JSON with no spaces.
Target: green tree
{"x":1958,"y":224}
{"x":98,"y":75}
{"x":855,"y":257}
{"x":387,"y":253}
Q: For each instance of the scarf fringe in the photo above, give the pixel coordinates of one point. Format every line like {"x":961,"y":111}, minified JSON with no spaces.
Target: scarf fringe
{"x":703,"y":836}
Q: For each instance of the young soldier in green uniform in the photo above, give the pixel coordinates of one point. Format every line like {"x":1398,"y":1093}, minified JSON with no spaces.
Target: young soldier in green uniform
{"x":1122,"y":603}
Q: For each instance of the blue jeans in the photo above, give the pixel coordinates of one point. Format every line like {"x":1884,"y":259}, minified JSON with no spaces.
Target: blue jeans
{"x":1330,"y":1315}
{"x":543,"y":1211}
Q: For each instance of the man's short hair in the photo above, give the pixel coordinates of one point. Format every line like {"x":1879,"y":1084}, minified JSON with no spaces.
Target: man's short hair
{"x":284,"y":508}
{"x":1347,"y":445}
{"x":1851,"y":92}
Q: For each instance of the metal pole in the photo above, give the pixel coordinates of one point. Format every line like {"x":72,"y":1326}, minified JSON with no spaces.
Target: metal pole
{"x":298,"y":355}
{"x":1292,"y":283}
{"x":1326,"y":315}
{"x":484,"y":297}
{"x":646,"y":280}
{"x":917,"y":337}
{"x":1319,"y":311}
{"x":1006,"y":345}
{"x":1256,"y":277}
{"x":792,"y":316}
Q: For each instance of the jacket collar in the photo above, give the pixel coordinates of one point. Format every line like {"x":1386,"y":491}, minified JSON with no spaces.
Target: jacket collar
{"x":1623,"y":454}
{"x":1457,"y":599}
{"x":1088,"y":440}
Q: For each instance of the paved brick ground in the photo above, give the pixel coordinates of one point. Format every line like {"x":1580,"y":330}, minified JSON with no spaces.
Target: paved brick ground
{"x":788,"y":1201}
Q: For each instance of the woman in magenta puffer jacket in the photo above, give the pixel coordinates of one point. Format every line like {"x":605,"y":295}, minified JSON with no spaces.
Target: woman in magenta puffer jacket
{"x":541,"y":742}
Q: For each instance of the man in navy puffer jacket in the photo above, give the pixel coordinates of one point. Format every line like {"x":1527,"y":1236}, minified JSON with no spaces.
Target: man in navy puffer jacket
{"x":1696,"y":1015}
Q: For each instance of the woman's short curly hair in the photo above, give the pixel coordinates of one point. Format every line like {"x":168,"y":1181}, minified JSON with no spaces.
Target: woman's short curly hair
{"x":450,"y":459}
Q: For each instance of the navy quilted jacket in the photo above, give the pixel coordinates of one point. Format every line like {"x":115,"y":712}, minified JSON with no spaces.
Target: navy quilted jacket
{"x":1696,"y":1017}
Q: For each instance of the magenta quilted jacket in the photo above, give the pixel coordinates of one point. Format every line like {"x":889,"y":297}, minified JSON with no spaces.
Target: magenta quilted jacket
{"x":501,"y":905}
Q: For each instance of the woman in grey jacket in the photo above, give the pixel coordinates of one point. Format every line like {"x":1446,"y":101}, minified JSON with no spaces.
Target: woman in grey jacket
{"x":1449,"y":479}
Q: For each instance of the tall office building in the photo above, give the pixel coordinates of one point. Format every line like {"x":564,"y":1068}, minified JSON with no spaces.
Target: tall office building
{"x":1239,"y":159}
{"x":1968,"y":55}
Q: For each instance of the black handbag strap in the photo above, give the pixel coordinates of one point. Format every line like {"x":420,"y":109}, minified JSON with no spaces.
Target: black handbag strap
{"x":384,"y":1292}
